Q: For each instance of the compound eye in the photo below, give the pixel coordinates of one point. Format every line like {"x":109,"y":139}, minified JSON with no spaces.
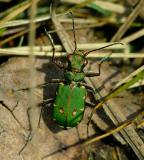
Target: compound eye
{"x":69,"y":56}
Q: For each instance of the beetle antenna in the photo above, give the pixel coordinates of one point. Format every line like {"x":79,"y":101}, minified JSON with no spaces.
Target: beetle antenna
{"x":73,"y":24}
{"x":51,"y":41}
{"x":102,"y":48}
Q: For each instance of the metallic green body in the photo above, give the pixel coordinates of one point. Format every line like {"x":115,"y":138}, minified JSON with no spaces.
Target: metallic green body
{"x":69,"y":105}
{"x":70,"y":97}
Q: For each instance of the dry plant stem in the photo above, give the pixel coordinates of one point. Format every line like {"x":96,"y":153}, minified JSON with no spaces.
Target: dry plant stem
{"x":85,"y":46}
{"x":133,"y":36}
{"x":21,"y":22}
{"x":128,"y":22}
{"x":14,"y":23}
{"x":133,"y":3}
{"x":7,"y":52}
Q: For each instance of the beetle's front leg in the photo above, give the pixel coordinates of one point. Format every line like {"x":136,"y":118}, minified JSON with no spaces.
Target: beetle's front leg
{"x":93,"y":74}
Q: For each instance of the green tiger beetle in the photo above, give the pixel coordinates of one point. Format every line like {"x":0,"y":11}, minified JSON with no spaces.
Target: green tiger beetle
{"x":70,"y":99}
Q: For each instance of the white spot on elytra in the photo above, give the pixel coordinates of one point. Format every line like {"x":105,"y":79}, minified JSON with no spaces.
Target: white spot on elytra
{"x":61,"y":110}
{"x":74,"y":112}
{"x":82,"y":109}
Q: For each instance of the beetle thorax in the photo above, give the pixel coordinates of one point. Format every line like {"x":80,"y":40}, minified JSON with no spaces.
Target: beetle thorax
{"x":76,"y":64}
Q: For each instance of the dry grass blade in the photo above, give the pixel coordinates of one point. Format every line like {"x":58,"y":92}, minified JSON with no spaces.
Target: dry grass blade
{"x":133,"y":36}
{"x":19,"y":52}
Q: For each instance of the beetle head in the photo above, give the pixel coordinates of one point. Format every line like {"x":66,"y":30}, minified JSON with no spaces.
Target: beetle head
{"x":77,"y":61}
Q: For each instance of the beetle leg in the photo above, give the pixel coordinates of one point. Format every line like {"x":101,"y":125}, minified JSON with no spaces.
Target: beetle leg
{"x":57,"y":81}
{"x":93,"y":74}
{"x":90,"y":104}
